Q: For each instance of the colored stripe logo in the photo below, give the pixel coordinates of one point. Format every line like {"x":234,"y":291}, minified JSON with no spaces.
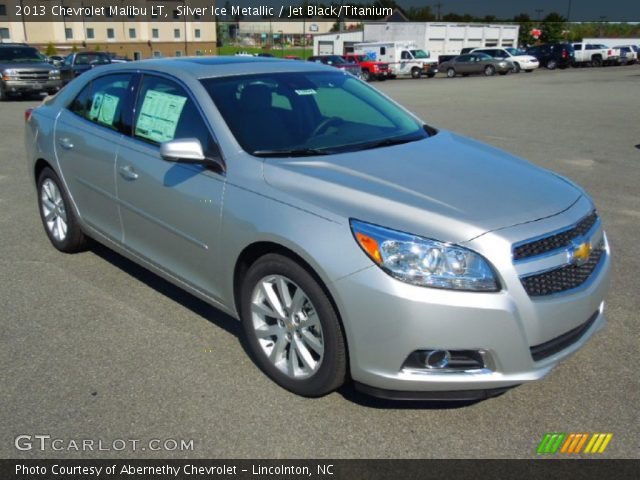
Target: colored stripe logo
{"x":573,"y":443}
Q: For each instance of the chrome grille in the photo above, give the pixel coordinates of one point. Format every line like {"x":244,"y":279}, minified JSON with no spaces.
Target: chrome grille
{"x":33,"y":74}
{"x":555,"y":241}
{"x":563,"y":278}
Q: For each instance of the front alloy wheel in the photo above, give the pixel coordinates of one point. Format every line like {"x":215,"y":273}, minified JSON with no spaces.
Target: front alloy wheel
{"x":291,"y":327}
{"x":286,"y":325}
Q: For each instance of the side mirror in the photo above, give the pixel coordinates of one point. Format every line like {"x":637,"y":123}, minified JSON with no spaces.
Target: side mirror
{"x":188,"y":150}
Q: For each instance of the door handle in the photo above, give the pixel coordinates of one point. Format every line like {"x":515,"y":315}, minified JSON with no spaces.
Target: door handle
{"x":65,"y":143}
{"x":128,"y":173}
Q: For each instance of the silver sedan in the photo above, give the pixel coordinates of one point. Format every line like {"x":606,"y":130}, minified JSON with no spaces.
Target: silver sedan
{"x":350,"y":239}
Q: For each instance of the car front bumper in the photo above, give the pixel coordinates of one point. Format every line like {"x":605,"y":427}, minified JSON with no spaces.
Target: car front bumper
{"x":386,"y":320}
{"x":31,"y":86}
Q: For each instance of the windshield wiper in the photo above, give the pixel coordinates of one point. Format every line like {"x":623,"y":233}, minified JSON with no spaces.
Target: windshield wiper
{"x":300,"y":152}
{"x":387,"y":142}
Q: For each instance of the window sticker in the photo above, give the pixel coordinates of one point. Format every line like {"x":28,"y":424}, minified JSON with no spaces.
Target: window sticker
{"x":159,"y":116}
{"x":308,"y":91}
{"x":103,"y":108}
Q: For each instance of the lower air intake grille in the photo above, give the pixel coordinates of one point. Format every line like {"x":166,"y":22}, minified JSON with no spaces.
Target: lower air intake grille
{"x":546,"y":349}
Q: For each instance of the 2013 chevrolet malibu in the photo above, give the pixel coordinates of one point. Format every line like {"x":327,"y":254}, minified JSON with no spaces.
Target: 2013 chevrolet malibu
{"x":352,"y":240}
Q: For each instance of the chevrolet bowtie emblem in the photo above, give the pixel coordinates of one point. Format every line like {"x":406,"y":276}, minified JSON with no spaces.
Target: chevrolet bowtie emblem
{"x":580,"y":253}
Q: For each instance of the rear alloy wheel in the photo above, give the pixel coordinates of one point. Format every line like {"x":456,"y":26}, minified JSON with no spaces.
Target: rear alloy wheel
{"x":366,"y":76}
{"x":291,"y":327}
{"x":516,"y":67}
{"x":489,"y":70}
{"x":415,"y":72}
{"x":552,"y":64}
{"x":596,"y":61}
{"x":57,"y":214}
{"x":451,"y":72}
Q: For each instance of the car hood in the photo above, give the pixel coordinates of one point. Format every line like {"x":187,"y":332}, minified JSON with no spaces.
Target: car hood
{"x":446,"y":187}
{"x":26,"y":65}
{"x":523,"y":57}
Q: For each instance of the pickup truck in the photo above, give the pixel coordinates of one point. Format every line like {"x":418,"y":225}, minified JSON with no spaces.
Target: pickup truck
{"x":370,"y":68}
{"x":595,"y":54}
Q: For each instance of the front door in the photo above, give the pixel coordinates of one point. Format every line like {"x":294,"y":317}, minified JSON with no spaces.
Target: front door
{"x":171,"y":212}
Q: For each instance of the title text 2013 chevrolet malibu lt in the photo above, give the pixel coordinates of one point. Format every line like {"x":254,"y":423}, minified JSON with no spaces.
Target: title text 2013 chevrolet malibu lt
{"x":350,"y":239}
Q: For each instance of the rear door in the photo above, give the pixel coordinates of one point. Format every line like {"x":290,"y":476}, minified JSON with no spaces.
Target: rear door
{"x":87,"y":136}
{"x":171,"y":212}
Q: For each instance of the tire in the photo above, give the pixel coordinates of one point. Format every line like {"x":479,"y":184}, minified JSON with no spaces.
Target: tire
{"x":596,"y":61}
{"x":489,"y":70}
{"x":57,"y":214}
{"x":451,"y":72}
{"x":310,"y":361}
{"x":415,"y":72}
{"x":366,"y":76}
{"x":552,"y":64}
{"x":516,"y":67}
{"x":3,"y":94}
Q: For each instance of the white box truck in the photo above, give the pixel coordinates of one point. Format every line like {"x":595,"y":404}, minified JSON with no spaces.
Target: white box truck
{"x":404,"y":58}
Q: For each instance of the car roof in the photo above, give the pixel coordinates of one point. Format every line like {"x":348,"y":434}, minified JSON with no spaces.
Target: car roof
{"x":206,"y":67}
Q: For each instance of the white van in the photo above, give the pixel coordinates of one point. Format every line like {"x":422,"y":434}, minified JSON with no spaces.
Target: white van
{"x":404,"y":58}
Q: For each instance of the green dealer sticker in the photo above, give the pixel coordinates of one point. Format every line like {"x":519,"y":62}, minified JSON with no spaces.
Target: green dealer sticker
{"x":159,"y":116}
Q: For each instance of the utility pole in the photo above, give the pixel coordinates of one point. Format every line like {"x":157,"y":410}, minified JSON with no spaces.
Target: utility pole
{"x":539,"y":11}
{"x":438,"y":7}
{"x":569,"y":12}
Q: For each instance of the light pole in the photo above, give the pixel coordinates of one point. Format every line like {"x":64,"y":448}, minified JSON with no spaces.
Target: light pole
{"x":539,"y":11}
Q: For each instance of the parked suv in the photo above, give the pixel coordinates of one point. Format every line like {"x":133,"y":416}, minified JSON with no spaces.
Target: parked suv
{"x":370,"y":68}
{"x":553,"y":55}
{"x":78,"y":63}
{"x":25,"y":71}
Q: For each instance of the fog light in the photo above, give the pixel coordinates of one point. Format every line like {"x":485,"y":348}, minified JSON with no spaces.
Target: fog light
{"x":437,"y":358}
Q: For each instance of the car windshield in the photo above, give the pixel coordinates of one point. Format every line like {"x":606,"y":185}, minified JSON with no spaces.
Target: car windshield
{"x":309,"y":113}
{"x":515,"y":51}
{"x":20,"y":55}
{"x":419,"y":54}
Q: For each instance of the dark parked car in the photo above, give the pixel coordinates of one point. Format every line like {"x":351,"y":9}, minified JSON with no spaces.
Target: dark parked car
{"x":78,"y":63}
{"x":553,"y":55}
{"x":475,"y":63}
{"x":338,"y":62}
{"x":26,"y":72}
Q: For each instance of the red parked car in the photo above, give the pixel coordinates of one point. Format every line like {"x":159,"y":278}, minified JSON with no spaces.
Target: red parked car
{"x":370,"y":68}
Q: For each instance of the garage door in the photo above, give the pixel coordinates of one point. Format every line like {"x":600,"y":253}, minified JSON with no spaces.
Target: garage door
{"x":325,"y":48}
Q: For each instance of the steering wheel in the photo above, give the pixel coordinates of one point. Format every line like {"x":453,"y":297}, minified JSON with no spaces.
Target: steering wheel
{"x":325,"y":124}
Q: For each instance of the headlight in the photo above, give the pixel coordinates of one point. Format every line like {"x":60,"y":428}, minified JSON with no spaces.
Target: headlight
{"x":54,"y":73}
{"x":424,"y":262}
{"x":9,"y":73}
{"x":503,"y":64}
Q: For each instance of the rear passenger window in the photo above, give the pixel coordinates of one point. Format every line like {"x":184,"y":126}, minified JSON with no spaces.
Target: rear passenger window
{"x":165,"y":112}
{"x":102,"y":99}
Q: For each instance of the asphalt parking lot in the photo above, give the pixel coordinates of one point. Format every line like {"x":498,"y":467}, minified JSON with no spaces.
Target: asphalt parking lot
{"x":94,"y":347}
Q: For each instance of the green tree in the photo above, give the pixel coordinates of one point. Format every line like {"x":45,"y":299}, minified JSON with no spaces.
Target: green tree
{"x":524,"y":34}
{"x":51,"y":49}
{"x":553,"y":27}
{"x":74,"y":49}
